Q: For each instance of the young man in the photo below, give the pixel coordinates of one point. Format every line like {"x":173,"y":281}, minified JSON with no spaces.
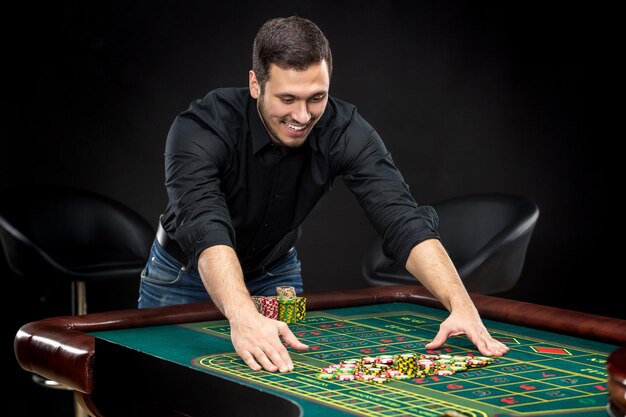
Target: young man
{"x":244,"y":167}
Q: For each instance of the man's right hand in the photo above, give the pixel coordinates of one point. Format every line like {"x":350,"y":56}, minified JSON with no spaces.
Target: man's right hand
{"x":257,"y":340}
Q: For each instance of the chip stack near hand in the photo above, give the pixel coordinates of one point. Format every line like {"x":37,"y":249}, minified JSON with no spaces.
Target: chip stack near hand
{"x":286,"y":306}
{"x":291,"y":308}
{"x":286,"y":292}
{"x":268,"y":306}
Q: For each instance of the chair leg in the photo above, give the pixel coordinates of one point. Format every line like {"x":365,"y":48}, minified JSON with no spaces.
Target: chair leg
{"x":79,"y":411}
{"x":79,"y":290}
{"x":79,"y":298}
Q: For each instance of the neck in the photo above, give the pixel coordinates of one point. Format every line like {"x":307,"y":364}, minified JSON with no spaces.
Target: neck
{"x":275,"y":142}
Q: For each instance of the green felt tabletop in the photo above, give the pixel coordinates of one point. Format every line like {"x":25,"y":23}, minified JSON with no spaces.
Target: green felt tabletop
{"x":544,"y":373}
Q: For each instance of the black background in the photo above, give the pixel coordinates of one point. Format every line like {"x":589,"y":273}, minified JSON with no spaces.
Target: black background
{"x":468,"y":96}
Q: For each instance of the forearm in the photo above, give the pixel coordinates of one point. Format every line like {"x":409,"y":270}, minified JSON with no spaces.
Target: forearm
{"x":256,"y":338}
{"x":429,"y":262}
{"x":222,"y":276}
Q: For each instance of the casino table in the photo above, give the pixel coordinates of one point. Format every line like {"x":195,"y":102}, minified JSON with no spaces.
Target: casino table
{"x":178,"y":360}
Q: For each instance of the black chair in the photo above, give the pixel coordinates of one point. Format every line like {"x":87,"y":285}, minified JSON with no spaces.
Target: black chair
{"x":72,"y":236}
{"x":486,"y":236}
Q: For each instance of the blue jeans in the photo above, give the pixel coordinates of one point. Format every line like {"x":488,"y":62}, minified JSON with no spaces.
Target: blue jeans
{"x":164,"y":280}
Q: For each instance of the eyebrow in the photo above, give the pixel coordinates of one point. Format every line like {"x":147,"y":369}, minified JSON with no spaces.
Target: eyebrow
{"x":287,"y":95}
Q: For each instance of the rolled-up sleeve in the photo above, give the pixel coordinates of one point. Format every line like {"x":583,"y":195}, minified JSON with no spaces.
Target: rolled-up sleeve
{"x":195,"y":156}
{"x":370,"y":173}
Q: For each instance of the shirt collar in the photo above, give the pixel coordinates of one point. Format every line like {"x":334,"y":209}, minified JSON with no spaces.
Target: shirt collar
{"x":320,"y":126}
{"x":260,"y":135}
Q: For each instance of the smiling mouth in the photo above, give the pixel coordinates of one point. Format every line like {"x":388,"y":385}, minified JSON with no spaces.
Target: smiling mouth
{"x":297,"y":128}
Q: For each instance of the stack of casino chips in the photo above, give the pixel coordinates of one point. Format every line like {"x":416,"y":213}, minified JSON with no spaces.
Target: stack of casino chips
{"x":286,"y":306}
{"x":383,"y":369}
{"x":291,"y":308}
{"x":268,"y":306}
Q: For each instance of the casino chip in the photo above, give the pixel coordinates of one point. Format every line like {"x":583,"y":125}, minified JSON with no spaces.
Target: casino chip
{"x":284,"y":306}
{"x":383,"y":369}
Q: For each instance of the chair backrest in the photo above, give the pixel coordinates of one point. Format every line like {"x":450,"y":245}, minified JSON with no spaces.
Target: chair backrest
{"x":68,"y":232}
{"x":486,"y":236}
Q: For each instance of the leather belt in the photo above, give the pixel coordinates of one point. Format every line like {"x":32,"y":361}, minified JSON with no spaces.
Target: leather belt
{"x":171,"y":246}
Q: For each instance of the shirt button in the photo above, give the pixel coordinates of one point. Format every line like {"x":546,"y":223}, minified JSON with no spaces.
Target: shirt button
{"x":276,"y":195}
{"x":266,"y":225}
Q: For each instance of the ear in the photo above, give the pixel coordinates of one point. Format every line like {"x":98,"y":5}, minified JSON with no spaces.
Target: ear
{"x":255,"y":89}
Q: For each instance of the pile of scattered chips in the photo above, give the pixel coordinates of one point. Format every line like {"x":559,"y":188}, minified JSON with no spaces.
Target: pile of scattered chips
{"x":284,"y":306}
{"x":382,"y":369}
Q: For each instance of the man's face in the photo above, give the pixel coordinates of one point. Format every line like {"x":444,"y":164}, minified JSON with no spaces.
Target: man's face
{"x":292,"y":101}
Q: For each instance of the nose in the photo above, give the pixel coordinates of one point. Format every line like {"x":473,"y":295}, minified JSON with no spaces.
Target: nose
{"x":300,"y":113}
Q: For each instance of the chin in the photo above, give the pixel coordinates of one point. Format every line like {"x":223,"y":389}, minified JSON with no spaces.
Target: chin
{"x":294,"y":143}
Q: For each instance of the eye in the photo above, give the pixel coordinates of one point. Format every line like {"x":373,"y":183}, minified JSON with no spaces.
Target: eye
{"x":317,"y":99}
{"x":287,"y":100}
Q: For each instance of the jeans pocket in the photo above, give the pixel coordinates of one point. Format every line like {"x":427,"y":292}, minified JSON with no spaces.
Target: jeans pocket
{"x":292,"y":267}
{"x":162,"y":273}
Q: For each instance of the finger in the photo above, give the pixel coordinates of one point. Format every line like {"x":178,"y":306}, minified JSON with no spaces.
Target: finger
{"x":265,"y":362}
{"x":483,"y":341}
{"x":489,"y":351}
{"x":498,"y":348}
{"x":482,"y":346}
{"x":489,"y":346}
{"x":279,"y":357}
{"x":249,"y":360}
{"x":290,"y":339}
{"x":438,"y":341}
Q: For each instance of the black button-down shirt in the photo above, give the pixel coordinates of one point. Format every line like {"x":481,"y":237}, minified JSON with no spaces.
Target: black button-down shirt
{"x":227,"y":184}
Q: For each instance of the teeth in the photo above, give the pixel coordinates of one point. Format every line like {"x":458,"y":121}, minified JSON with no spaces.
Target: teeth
{"x":294,"y":127}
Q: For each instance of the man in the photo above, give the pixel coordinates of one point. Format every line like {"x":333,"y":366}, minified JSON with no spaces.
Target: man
{"x":244,"y":167}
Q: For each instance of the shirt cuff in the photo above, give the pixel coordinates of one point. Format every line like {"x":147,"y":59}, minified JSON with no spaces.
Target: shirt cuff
{"x":413,"y":239}
{"x":193,"y":239}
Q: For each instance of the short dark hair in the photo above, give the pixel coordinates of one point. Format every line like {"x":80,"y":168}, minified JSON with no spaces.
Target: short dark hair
{"x":290,"y":43}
